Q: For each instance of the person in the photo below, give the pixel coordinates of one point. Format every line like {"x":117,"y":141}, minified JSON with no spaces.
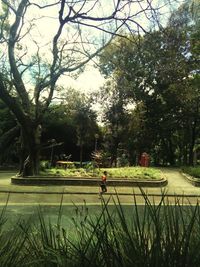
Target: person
{"x":103,"y":183}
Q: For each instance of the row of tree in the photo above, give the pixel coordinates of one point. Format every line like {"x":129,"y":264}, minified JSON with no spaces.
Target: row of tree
{"x":150,"y":101}
{"x":41,"y":42}
{"x":69,"y":129}
{"x":158,"y":74}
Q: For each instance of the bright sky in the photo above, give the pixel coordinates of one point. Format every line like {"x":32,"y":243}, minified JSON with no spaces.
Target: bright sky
{"x":46,"y":26}
{"x":90,"y":80}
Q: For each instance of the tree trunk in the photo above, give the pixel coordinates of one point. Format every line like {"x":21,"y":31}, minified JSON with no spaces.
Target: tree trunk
{"x":113,"y":161}
{"x":30,"y":151}
{"x":185,"y":155}
{"x":191,"y":155}
{"x":81,"y":154}
{"x":171,"y":157}
{"x":192,"y":143}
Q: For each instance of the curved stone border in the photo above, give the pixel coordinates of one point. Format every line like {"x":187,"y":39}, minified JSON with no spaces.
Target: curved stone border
{"x":86,"y":181}
{"x":194,"y":181}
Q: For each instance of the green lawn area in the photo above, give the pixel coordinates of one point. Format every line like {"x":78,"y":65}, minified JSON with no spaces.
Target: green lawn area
{"x":123,"y":172}
{"x":193,"y":171}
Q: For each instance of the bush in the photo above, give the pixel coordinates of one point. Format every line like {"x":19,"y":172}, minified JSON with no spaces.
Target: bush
{"x":90,"y":171}
{"x":193,"y":171}
{"x":154,"y":235}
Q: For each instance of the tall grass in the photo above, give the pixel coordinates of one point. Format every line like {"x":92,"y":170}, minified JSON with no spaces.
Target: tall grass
{"x":160,"y":235}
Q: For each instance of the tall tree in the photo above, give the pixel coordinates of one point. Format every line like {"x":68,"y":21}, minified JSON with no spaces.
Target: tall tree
{"x":40,"y":43}
{"x":161,"y":70}
{"x":80,"y":107}
{"x":114,"y":103}
{"x":72,"y":122}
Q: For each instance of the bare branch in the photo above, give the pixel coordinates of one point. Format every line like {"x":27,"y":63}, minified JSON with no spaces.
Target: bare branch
{"x":45,"y":6}
{"x":72,"y":46}
{"x":12,"y":41}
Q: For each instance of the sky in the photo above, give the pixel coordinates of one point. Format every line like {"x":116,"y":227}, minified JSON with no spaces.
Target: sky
{"x":90,"y":79}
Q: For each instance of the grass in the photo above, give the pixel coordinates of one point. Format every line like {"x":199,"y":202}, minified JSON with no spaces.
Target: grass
{"x":160,"y":236}
{"x":125,"y":172}
{"x":193,"y":171}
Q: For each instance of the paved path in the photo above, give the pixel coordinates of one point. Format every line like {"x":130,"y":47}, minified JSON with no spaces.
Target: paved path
{"x":23,"y":201}
{"x":29,"y":195}
{"x":177,"y":185}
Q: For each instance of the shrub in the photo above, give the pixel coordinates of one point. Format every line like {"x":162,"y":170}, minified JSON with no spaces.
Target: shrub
{"x":160,"y":235}
{"x":193,"y":171}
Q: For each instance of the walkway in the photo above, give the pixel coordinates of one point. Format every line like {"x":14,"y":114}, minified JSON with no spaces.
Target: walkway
{"x":177,"y":185}
{"x":24,"y":196}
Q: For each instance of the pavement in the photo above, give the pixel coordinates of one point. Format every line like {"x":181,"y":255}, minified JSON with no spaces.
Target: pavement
{"x":177,"y":185}
{"x":23,"y":201}
{"x":18,"y":197}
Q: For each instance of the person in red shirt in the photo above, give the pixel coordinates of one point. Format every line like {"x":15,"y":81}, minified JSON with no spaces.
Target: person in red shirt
{"x":103,"y":183}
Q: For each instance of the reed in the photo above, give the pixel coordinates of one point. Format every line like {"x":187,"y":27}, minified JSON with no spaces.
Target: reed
{"x":162,"y":235}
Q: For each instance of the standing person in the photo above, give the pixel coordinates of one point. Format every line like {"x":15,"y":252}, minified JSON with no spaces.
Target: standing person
{"x":103,"y":183}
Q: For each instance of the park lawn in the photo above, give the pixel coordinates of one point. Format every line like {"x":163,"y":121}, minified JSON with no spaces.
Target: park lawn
{"x":122,"y":172}
{"x":193,"y":171}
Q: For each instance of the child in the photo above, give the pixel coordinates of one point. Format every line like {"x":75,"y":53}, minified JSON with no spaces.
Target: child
{"x":103,"y":183}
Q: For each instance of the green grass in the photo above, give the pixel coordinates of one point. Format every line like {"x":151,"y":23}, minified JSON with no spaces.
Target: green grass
{"x":125,"y":172}
{"x":193,"y":171}
{"x":158,"y":236}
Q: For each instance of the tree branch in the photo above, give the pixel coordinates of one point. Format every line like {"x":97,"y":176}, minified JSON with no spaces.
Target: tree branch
{"x":11,"y":102}
{"x":19,"y":85}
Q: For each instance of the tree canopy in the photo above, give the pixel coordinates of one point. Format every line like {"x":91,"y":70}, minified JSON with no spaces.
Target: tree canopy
{"x":151,"y":98}
{"x":159,"y":71}
{"x":42,"y":41}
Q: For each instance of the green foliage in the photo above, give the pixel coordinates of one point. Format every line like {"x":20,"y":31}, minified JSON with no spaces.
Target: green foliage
{"x":123,"y":172}
{"x":72,"y":122}
{"x":44,"y":164}
{"x":101,"y":158}
{"x":4,"y":20}
{"x":7,"y":120}
{"x":159,"y":72}
{"x":115,"y":118}
{"x":193,"y":171}
{"x":9,"y":136}
{"x":135,"y":172}
{"x":72,"y":172}
{"x":162,"y":235}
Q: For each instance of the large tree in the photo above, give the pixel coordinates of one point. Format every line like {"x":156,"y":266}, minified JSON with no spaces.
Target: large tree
{"x":160,"y":70}
{"x":113,"y":103}
{"x":42,"y":41}
{"x":79,"y":107}
{"x":72,"y":122}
